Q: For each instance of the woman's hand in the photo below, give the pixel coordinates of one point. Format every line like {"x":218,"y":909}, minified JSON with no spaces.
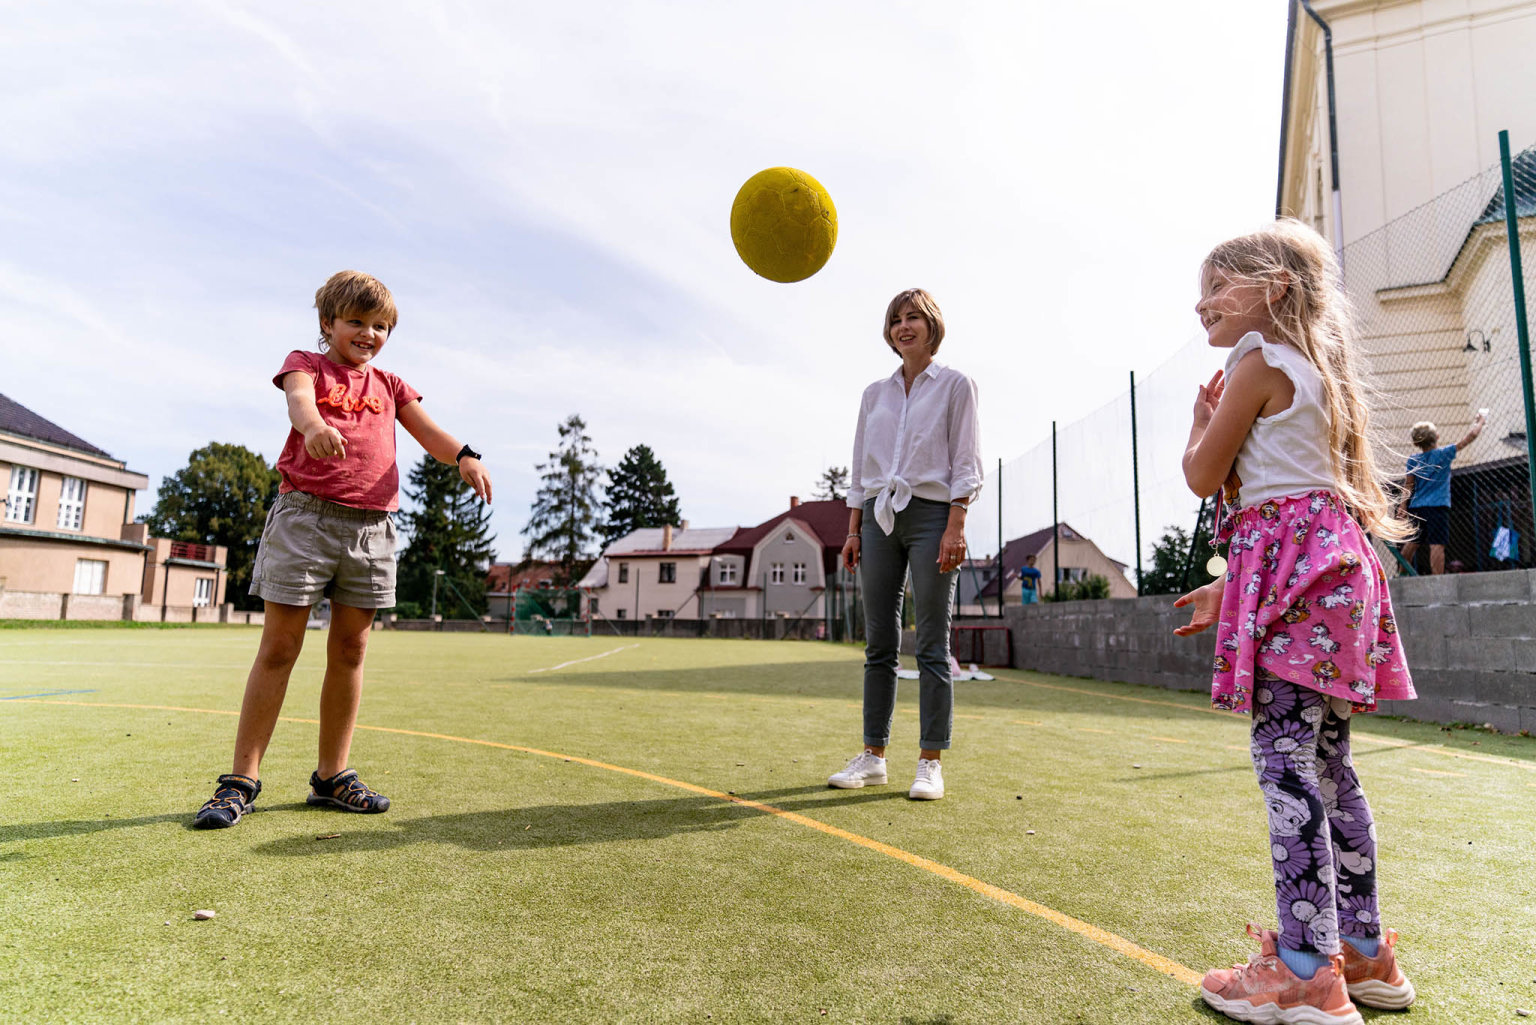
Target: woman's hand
{"x":851,"y":552}
{"x":1207,"y":607}
{"x":952,"y":548}
{"x":1208,"y":398}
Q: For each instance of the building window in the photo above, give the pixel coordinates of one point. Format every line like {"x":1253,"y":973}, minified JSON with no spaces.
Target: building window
{"x":623,"y":572}
{"x":621,"y":614}
{"x":21,"y":502}
{"x":545,"y":585}
{"x":1071,"y":573}
{"x":663,"y":613}
{"x":90,"y":576}
{"x":202,"y":591}
{"x":726,"y":573}
{"x":592,"y":605}
{"x":726,"y":613}
{"x":789,"y":537}
{"x":799,"y":573}
{"x":72,"y":504}
{"x":666,"y":573}
{"x":776,"y":573}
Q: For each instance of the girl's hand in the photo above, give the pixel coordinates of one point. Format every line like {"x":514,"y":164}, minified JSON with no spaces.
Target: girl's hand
{"x":325,"y":442}
{"x":1207,"y":606}
{"x":473,"y":472}
{"x":1208,"y":399}
{"x":951,"y":549}
{"x":851,"y":552}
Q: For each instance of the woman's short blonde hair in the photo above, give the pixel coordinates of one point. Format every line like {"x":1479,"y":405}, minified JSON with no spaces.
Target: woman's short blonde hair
{"x":923,"y":303}
{"x":352,"y":291}
{"x":1423,"y":433}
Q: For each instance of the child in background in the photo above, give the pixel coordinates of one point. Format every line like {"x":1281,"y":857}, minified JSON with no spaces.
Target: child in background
{"x":329,"y":534}
{"x":1305,"y":633}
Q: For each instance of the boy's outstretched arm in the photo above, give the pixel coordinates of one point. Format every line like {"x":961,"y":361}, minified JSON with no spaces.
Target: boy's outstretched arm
{"x":321,"y":440}
{"x":444,"y":447}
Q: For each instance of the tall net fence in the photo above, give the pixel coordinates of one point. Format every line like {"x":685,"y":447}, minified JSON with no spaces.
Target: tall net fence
{"x":1434,"y":303}
{"x":1094,"y":475}
{"x":1433,"y":295}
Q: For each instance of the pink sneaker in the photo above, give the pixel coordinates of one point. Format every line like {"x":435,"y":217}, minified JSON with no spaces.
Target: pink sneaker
{"x":1267,"y":992}
{"x":1377,"y":981}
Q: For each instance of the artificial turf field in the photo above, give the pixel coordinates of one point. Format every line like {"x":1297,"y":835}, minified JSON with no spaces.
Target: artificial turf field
{"x":592,"y":841}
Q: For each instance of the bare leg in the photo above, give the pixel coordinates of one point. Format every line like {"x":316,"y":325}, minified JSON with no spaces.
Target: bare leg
{"x":1409,"y":551}
{"x":343,"y":688}
{"x":282,"y":638}
{"x":1437,"y":559}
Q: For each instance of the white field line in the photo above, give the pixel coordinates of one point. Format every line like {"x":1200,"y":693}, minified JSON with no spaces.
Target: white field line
{"x":589,"y":658}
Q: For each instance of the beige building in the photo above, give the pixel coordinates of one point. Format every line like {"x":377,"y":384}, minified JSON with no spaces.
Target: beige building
{"x":1421,"y":90}
{"x":654,"y":572}
{"x":1077,"y":559}
{"x":69,"y":548}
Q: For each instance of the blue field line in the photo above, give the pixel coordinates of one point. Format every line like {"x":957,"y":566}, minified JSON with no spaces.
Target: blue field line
{"x":47,"y":694}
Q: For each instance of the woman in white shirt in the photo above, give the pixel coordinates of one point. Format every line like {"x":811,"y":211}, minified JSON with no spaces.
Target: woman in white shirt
{"x":916,"y":466}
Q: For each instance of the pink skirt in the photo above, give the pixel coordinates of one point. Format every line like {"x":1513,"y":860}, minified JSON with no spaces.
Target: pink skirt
{"x":1307,"y":600}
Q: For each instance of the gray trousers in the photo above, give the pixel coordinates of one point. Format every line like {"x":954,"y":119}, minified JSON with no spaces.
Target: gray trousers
{"x":883,"y":564}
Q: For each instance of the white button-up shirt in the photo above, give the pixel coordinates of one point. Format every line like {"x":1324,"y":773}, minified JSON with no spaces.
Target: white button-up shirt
{"x":926,"y":443}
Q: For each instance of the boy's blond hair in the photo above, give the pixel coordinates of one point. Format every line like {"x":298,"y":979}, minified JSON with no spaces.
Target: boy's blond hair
{"x":352,"y":291}
{"x":923,"y":303}
{"x":1424,"y":433}
{"x":1311,"y":314}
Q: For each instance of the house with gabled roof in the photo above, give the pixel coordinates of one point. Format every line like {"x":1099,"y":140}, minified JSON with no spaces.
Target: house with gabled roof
{"x":69,"y":548}
{"x":652,"y":572}
{"x":781,"y":567}
{"x":1080,"y":558}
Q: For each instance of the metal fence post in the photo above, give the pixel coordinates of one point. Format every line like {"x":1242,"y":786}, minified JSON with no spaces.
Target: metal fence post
{"x":1055,"y":523}
{"x":1135,"y":484}
{"x":1517,"y":277}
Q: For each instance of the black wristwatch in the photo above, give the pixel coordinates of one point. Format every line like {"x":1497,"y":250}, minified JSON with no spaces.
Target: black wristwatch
{"x":466,"y":451}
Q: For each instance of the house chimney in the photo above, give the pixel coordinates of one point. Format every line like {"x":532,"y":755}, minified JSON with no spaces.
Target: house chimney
{"x":666,"y":538}
{"x":794,"y":500}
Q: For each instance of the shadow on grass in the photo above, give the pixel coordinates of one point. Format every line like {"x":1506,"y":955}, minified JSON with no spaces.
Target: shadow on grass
{"x":562,"y":825}
{"x":80,"y":827}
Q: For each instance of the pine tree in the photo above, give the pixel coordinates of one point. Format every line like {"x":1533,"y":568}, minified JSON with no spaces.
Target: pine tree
{"x":220,"y":497}
{"x":563,"y":521}
{"x":833,"y":485}
{"x":639,"y":495}
{"x":449,"y":531}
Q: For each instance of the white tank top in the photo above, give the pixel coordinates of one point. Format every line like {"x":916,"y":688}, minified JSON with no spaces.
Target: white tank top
{"x":1284,"y":454}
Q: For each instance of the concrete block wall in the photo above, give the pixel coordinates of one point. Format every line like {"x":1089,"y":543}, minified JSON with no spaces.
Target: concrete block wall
{"x":1470,"y":640}
{"x":31,"y":605}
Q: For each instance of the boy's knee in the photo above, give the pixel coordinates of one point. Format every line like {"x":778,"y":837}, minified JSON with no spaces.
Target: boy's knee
{"x":349,"y":650}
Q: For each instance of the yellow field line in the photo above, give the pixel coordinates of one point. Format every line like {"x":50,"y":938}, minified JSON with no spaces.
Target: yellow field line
{"x":1437,"y":772}
{"x":1170,"y":740}
{"x":1103,"y":937}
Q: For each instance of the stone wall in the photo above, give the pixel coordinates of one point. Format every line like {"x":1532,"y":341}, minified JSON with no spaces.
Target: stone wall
{"x":1470,"y":640}
{"x":127,"y":607}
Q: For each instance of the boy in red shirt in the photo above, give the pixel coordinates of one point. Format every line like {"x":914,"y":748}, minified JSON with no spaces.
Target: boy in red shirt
{"x":330,"y":534}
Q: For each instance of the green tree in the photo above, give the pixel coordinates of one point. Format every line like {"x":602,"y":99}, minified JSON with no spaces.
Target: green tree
{"x":448,"y":527}
{"x":1089,"y":588}
{"x":639,"y":495}
{"x":1170,"y":555}
{"x":220,"y":497}
{"x":563,"y":522}
{"x":833,"y":485}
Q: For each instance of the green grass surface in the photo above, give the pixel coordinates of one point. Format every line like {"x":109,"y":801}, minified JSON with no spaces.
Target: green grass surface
{"x":517,"y":887}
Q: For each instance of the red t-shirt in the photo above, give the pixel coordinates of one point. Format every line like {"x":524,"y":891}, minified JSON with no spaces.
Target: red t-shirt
{"x":362,"y":404}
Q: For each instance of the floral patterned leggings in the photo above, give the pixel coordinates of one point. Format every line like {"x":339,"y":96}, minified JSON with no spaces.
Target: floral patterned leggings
{"x":1320,"y":830}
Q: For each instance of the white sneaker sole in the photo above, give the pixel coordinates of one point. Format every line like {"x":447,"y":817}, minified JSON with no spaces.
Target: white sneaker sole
{"x":855,"y":784}
{"x":1272,"y":1014}
{"x":1383,"y":996}
{"x":925,"y":795}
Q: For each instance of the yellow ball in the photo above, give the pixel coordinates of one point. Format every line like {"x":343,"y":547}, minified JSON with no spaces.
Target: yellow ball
{"x":784,"y":224}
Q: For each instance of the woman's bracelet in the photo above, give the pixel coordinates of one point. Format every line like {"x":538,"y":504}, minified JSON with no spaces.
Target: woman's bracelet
{"x":855,"y":535}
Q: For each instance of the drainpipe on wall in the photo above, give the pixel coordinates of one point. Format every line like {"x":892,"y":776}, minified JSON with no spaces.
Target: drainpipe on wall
{"x":1333,"y":135}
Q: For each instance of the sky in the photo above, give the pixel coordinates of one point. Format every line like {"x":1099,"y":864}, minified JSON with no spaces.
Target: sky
{"x":546,"y":190}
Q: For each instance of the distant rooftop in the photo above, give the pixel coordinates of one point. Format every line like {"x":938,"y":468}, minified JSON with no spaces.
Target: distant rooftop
{"x":18,"y":419}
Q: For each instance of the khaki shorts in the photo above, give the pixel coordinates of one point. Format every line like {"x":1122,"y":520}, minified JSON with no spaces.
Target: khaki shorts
{"x":313,"y":549}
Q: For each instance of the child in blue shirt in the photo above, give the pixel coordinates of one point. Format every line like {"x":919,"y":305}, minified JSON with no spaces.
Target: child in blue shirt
{"x":1427,"y":490}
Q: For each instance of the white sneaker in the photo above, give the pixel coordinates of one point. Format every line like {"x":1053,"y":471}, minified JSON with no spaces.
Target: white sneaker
{"x":929,"y":784}
{"x":862,"y":769}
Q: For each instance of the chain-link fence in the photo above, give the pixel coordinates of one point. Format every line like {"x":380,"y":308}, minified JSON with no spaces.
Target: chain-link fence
{"x":1434,"y":303}
{"x":1434,"y":300}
